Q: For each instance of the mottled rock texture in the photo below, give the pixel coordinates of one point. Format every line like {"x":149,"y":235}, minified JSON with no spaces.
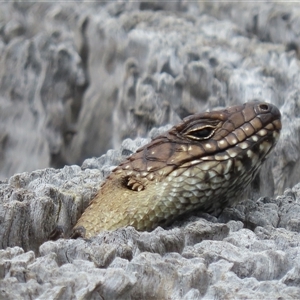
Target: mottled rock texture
{"x":77,"y":79}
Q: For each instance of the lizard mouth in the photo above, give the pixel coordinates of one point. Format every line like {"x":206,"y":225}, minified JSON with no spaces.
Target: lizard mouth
{"x":259,"y":144}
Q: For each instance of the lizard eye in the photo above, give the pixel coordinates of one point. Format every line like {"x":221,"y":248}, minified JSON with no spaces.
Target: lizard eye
{"x":202,"y":133}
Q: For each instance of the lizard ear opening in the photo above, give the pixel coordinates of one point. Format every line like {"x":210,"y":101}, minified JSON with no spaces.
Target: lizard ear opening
{"x":134,"y":184}
{"x":201,"y":133}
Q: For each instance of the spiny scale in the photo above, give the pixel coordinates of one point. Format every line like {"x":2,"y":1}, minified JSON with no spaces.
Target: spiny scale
{"x":203,"y":163}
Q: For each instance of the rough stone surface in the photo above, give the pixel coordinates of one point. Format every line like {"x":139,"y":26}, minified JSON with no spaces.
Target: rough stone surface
{"x":77,"y":79}
{"x":251,"y":251}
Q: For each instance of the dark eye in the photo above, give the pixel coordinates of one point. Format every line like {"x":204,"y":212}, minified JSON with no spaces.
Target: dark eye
{"x":200,"y":133}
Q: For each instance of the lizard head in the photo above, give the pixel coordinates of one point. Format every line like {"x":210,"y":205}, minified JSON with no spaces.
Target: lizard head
{"x":247,"y":131}
{"x":203,"y":163}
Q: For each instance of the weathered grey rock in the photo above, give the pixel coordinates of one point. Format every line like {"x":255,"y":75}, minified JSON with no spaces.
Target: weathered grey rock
{"x":99,"y":73}
{"x":41,"y":84}
{"x":192,"y":259}
{"x":117,"y":265}
{"x":78,"y":78}
{"x":287,"y":168}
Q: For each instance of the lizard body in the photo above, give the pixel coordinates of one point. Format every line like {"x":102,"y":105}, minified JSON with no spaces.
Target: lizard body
{"x":203,"y":163}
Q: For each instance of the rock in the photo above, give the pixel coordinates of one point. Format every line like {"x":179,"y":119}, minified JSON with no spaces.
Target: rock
{"x":78,"y":79}
{"x":127,"y":67}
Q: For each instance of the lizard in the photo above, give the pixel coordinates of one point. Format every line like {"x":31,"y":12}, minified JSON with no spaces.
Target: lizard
{"x":203,"y":163}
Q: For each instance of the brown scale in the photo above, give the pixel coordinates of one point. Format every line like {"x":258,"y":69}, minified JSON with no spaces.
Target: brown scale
{"x":155,"y":185}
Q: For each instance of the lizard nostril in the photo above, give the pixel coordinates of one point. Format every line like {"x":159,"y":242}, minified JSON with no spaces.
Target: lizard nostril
{"x":264,"y":107}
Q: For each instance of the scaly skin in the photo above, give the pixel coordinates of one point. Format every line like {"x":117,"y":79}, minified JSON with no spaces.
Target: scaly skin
{"x":203,"y":163}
